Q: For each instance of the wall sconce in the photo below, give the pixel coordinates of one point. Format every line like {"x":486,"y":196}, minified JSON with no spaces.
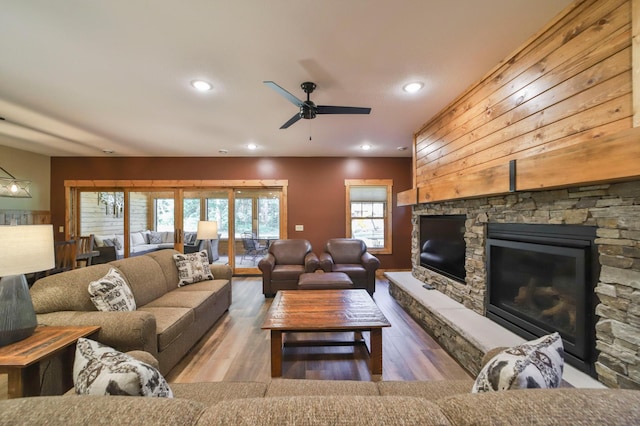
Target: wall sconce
{"x":12,"y":187}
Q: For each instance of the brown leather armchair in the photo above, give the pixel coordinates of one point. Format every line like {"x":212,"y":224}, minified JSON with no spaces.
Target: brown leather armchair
{"x":350,"y":256}
{"x":284,"y":263}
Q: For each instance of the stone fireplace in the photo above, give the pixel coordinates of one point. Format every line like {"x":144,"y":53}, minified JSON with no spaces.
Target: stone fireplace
{"x":612,"y":210}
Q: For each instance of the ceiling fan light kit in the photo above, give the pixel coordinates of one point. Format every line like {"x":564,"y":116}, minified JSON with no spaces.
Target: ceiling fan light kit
{"x":308,"y":109}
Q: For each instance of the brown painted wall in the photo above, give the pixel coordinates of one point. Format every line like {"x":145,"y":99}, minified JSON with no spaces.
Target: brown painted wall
{"x":316,"y":188}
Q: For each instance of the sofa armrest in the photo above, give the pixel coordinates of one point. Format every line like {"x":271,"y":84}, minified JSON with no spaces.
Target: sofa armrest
{"x":370,"y":262}
{"x":326,"y":262}
{"x":221,"y":272}
{"x":311,"y":262}
{"x":107,"y":254}
{"x":124,"y":331}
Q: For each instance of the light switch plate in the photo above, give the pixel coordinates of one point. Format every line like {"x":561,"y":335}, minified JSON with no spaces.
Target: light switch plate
{"x":60,"y":229}
{"x":299,"y":227}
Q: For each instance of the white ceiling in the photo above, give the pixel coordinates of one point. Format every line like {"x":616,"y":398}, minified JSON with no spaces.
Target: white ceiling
{"x":115,"y":74}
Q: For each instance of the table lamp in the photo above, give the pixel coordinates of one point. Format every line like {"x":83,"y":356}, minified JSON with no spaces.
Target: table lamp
{"x":207,"y":231}
{"x":23,"y":249}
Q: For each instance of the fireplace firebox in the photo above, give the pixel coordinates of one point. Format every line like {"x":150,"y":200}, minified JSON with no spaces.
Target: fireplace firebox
{"x":541,"y":279}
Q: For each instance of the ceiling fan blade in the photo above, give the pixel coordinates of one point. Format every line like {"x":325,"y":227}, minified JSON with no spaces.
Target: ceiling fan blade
{"x":297,"y":102}
{"x":291,"y":121}
{"x":328,"y":109}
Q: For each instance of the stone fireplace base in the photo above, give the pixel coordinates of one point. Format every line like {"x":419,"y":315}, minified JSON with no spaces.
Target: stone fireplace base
{"x":613,"y":209}
{"x":463,"y":333}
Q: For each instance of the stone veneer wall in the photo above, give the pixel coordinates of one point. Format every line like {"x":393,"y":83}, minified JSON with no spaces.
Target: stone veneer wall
{"x":613,"y":208}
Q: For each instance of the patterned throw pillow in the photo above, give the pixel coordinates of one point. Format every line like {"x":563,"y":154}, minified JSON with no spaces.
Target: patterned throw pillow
{"x":535,"y":364}
{"x":192,"y":267}
{"x":155,"y":238}
{"x":101,"y":370}
{"x":112,"y":293}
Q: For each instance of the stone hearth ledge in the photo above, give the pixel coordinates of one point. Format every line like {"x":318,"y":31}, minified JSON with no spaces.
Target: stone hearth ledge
{"x":470,"y":329}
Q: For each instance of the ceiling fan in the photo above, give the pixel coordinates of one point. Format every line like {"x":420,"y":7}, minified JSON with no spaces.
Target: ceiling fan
{"x":308,"y":109}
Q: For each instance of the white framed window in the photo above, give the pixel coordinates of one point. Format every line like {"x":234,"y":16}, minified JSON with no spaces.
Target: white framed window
{"x":368,"y":213}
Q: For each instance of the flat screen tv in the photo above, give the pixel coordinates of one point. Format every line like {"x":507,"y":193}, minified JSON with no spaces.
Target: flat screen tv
{"x":442,"y":245}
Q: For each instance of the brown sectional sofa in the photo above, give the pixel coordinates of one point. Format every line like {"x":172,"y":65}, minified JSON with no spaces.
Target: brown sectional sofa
{"x":168,"y":320}
{"x":329,"y":402}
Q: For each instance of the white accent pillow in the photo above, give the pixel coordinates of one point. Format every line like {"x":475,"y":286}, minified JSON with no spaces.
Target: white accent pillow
{"x":112,"y":293}
{"x":535,"y":364}
{"x":192,"y":267}
{"x":101,"y":370}
{"x":138,"y":239}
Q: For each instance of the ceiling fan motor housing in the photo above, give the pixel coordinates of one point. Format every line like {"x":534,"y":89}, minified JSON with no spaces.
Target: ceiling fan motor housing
{"x":308,"y":87}
{"x":308,"y":110}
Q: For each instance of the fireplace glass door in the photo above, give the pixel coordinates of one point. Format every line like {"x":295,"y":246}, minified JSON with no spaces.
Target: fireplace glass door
{"x":538,"y":286}
{"x":542,"y":282}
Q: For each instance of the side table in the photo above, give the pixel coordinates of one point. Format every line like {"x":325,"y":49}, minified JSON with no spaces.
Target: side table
{"x":21,"y":360}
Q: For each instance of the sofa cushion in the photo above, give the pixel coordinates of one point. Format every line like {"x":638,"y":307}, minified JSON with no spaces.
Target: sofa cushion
{"x":535,"y":364}
{"x":544,"y":407}
{"x":192,"y":267}
{"x":145,"y":277}
{"x":209,"y":393}
{"x":66,"y":291}
{"x":164,"y":258}
{"x":291,"y":387}
{"x":287,"y":272}
{"x":431,"y":389}
{"x":112,"y":410}
{"x":101,"y":370}
{"x":112,"y":293}
{"x":325,"y":410}
{"x":170,"y":323}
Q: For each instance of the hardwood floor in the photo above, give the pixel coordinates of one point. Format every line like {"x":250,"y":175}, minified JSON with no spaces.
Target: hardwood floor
{"x":237,"y":349}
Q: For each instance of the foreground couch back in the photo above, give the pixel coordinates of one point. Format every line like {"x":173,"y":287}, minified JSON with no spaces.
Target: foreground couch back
{"x":168,"y":320}
{"x":326,"y":402}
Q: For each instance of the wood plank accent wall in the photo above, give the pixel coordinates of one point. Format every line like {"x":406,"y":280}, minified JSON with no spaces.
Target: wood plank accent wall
{"x":565,"y":90}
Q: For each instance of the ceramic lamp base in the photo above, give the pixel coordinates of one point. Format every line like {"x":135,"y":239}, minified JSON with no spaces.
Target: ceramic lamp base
{"x":17,"y":316}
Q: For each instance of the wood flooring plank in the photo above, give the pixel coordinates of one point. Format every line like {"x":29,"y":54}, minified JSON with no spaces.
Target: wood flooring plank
{"x":236,"y":349}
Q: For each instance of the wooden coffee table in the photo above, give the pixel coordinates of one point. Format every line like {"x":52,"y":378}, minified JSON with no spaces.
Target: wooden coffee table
{"x":325,"y":311}
{"x":21,"y":360}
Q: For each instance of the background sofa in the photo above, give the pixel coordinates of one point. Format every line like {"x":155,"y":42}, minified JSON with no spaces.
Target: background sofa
{"x":111,"y":247}
{"x":329,"y":402}
{"x":168,"y":320}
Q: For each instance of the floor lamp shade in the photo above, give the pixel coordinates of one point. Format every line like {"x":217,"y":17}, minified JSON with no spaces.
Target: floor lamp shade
{"x":23,"y":249}
{"x":207,"y":231}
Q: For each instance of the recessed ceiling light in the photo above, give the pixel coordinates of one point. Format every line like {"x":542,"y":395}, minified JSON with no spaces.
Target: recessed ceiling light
{"x":413,"y":87}
{"x":365,"y":147}
{"x":401,"y":148}
{"x":223,"y":151}
{"x":107,"y":151}
{"x":252,"y":146}
{"x":201,"y":85}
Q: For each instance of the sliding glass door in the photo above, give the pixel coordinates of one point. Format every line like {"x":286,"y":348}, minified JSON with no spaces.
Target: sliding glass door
{"x":256,"y":223}
{"x":211,"y":206}
{"x":136,"y":217}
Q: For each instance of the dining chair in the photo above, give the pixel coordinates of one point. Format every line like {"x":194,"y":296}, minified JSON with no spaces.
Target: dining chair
{"x":85,"y":250}
{"x":65,"y":258}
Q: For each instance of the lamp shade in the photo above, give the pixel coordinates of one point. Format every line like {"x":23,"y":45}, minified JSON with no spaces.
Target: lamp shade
{"x":207,"y":230}
{"x":25,"y":249}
